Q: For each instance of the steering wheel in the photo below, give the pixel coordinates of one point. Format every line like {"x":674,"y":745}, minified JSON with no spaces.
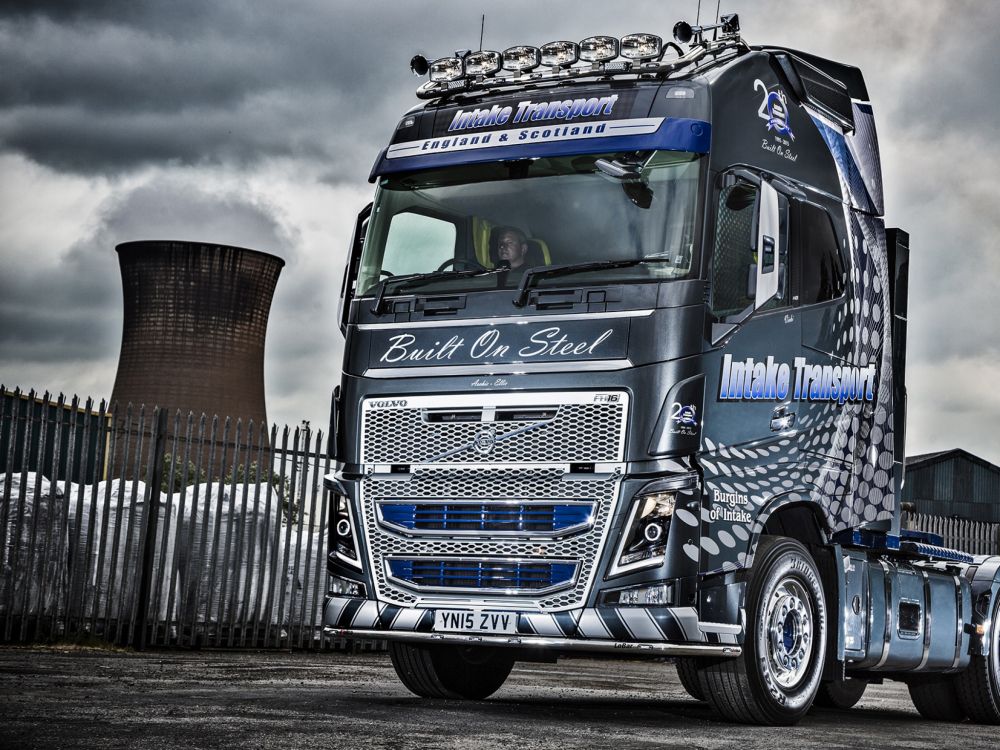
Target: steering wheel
{"x":385,"y":272}
{"x":464,"y":261}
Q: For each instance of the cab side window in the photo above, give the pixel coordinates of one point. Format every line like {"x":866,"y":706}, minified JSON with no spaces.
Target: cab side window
{"x":733,"y":254}
{"x":823,"y":276}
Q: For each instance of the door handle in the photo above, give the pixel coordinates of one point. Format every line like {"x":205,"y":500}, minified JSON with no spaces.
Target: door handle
{"x":782,"y":419}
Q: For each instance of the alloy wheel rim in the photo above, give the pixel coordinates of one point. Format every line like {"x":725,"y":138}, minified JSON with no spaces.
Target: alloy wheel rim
{"x":789,"y":632}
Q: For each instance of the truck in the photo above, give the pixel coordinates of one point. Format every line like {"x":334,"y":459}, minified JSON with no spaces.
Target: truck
{"x":624,"y":376}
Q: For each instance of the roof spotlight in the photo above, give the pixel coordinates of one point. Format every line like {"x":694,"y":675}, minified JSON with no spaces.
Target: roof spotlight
{"x":521,"y":59}
{"x":560,"y":54}
{"x":599,"y":48}
{"x":447,"y":69}
{"x":641,"y":46}
{"x":482,"y":63}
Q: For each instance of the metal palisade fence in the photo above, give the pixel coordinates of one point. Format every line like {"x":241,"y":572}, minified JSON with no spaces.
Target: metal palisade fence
{"x":976,"y":537}
{"x":148,"y":528}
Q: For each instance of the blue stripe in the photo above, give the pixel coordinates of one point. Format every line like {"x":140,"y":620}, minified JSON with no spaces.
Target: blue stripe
{"x":675,"y":134}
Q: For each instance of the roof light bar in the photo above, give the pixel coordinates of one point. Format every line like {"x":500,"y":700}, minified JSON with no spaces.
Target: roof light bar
{"x":521,"y":59}
{"x":641,"y":46}
{"x":482,"y":63}
{"x":560,"y":54}
{"x":447,"y":69}
{"x":599,"y":48}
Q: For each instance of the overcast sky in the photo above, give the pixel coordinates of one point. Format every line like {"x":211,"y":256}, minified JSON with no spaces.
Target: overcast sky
{"x":255,"y":124}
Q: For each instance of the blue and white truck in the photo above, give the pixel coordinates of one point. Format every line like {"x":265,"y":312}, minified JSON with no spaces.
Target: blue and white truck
{"x":624,"y":374}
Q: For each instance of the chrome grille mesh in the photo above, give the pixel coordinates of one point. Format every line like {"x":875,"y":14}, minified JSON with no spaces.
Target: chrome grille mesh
{"x":578,"y":433}
{"x":500,"y":484}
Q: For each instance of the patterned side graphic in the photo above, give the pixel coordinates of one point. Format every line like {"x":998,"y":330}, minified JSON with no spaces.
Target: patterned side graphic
{"x":838,"y":456}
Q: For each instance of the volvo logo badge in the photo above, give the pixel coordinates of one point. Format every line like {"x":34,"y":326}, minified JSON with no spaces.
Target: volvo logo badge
{"x":485,"y":440}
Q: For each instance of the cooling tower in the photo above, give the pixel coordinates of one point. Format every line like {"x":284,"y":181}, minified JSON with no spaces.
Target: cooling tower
{"x":195,"y":321}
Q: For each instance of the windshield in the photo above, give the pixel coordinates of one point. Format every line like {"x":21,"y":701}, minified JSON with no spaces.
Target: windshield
{"x":507,"y":217}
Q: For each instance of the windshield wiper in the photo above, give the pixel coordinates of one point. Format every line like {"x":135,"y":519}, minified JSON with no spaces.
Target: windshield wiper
{"x":424,"y":277}
{"x":598,"y":265}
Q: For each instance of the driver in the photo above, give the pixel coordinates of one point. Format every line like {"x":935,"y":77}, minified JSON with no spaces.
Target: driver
{"x":512,"y":248}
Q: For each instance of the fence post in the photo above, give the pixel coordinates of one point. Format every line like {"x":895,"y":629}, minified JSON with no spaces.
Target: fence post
{"x":155,"y":476}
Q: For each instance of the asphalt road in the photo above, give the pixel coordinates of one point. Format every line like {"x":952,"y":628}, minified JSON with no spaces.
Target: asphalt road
{"x":95,"y":699}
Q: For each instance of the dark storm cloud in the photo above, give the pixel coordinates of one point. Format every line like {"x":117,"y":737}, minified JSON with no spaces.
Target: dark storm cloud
{"x":72,"y":311}
{"x":105,"y":87}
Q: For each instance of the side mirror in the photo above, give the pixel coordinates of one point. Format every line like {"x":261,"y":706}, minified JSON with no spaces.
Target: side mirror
{"x":351,"y":270}
{"x":768,"y":235}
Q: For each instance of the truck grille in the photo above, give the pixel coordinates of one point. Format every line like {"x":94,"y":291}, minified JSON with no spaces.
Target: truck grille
{"x":502,"y":519}
{"x":503,"y":576}
{"x":472,"y":517}
{"x":549,"y":428}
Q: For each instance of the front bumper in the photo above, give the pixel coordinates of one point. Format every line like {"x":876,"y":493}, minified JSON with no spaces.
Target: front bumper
{"x":672,"y":631}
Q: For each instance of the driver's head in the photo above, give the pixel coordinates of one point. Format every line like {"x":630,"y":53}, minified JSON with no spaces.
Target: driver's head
{"x":512,"y":246}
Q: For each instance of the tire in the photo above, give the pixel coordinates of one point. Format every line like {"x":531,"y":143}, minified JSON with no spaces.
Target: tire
{"x":687,"y":671}
{"x":978,"y":685}
{"x":775,"y":679}
{"x":936,"y":698}
{"x":453,"y":672}
{"x":840,"y":694}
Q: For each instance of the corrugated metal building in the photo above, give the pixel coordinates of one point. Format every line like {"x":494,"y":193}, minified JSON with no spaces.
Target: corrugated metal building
{"x":953,"y":483}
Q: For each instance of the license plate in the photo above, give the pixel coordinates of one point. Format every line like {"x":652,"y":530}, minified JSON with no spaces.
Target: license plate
{"x":475,"y":621}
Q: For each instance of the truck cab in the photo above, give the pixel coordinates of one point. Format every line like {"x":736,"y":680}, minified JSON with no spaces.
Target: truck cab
{"x":624,"y":374}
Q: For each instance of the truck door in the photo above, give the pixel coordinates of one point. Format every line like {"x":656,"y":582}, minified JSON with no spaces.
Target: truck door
{"x":755,"y":328}
{"x":750,"y":418}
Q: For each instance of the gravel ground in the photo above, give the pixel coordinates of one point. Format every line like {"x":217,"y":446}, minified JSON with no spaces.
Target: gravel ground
{"x":97,"y":699}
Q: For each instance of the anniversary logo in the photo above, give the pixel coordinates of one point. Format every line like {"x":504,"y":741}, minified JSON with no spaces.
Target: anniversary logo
{"x":752,"y":380}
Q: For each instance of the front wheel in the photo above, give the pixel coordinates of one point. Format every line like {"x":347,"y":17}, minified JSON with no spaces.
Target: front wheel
{"x":775,"y":679}
{"x":473,"y":672}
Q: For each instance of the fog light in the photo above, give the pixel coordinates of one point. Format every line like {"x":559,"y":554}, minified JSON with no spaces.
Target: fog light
{"x":661,"y":594}
{"x":345,"y":587}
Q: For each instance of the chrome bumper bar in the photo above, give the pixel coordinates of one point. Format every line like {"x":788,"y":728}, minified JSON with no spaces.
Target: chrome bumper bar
{"x":541,"y":642}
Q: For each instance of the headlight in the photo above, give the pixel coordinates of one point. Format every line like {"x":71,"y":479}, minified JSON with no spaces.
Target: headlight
{"x":644,"y":543}
{"x":343,"y":542}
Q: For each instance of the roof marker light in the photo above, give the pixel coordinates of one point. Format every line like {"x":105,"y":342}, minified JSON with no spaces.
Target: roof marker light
{"x":641,"y":46}
{"x":560,"y":54}
{"x":520,"y":59}
{"x":599,"y":48}
{"x":447,"y":69}
{"x":483,"y":63}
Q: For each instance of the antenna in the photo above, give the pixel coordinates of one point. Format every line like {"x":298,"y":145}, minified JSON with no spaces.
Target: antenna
{"x":717,"y":5}
{"x":697,"y":17}
{"x":482,"y":30}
